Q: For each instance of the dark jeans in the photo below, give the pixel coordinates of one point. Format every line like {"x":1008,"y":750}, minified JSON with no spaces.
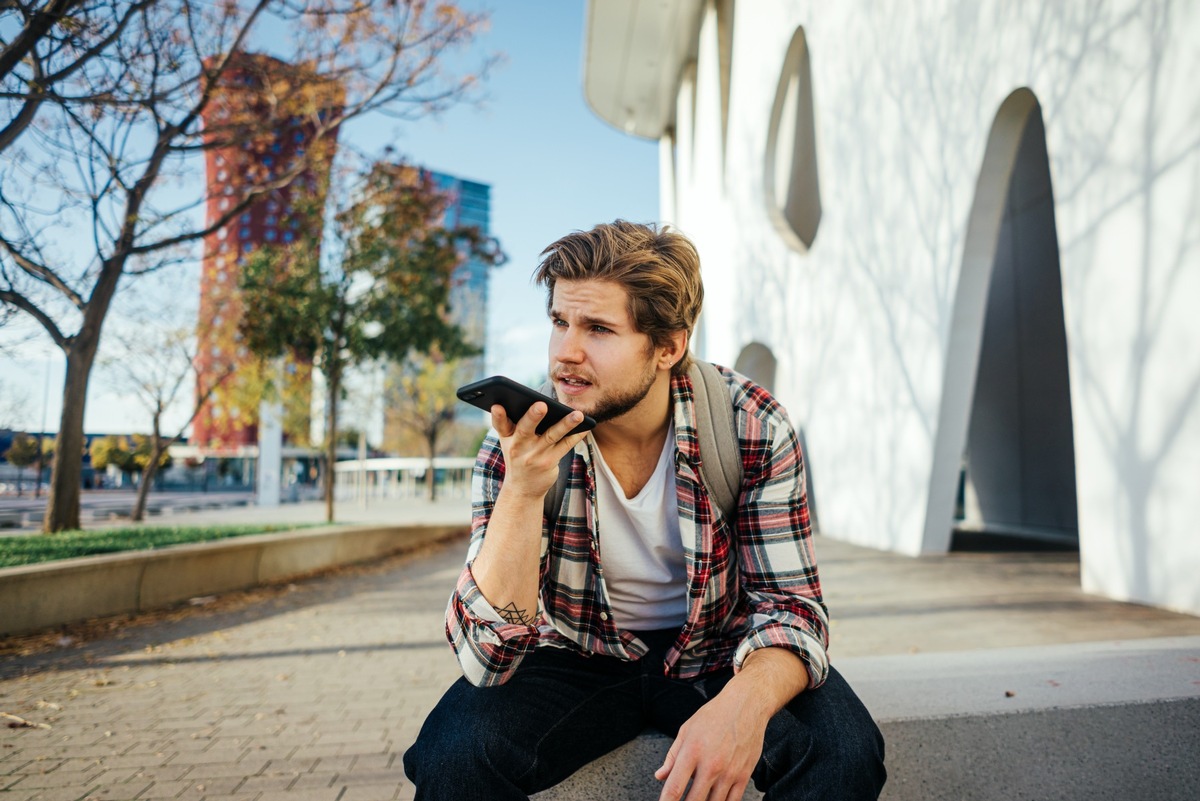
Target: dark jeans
{"x":561,"y":710}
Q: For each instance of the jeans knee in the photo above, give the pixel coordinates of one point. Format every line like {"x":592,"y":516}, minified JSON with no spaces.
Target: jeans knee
{"x":460,"y":749}
{"x":825,"y":746}
{"x":863,"y":755}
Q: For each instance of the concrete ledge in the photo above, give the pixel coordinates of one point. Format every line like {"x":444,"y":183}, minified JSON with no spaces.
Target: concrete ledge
{"x":1097,"y":721}
{"x":1003,"y":681}
{"x":1143,"y":751}
{"x":35,"y":597}
{"x":1100,"y":721}
{"x":626,"y":774}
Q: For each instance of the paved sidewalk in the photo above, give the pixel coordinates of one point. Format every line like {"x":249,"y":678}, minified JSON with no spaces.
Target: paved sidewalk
{"x":307,"y":694}
{"x":312,"y":692}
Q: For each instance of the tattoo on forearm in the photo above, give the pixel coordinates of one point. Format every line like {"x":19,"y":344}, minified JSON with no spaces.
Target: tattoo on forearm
{"x":512,"y":614}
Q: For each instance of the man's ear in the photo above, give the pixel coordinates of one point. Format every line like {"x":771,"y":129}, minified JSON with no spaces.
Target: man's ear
{"x":673,"y":351}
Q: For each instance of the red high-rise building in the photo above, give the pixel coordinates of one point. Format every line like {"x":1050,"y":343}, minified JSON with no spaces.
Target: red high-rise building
{"x":251,"y":90}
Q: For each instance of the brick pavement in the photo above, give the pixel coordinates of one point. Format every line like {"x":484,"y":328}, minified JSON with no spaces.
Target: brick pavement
{"x":309,"y":695}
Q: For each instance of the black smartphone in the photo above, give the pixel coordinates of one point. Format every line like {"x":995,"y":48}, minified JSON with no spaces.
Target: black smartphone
{"x":516,"y":400}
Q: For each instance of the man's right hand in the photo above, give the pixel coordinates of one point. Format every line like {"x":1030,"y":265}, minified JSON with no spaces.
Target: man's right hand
{"x":531,"y":460}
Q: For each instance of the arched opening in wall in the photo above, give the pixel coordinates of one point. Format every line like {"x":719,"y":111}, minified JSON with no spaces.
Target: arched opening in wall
{"x":757,"y":362}
{"x":793,"y":193}
{"x":1007,"y":390}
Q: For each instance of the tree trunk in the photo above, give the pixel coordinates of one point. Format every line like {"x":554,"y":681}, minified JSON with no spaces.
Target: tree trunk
{"x":331,"y":439}
{"x":430,"y":475}
{"x":62,"y":504}
{"x":148,"y":472}
{"x":143,"y":490}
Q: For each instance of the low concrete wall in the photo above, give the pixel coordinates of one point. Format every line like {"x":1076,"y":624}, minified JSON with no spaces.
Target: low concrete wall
{"x":35,"y":597}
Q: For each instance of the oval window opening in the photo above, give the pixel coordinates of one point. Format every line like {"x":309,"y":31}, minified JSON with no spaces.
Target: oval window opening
{"x":790,"y":169}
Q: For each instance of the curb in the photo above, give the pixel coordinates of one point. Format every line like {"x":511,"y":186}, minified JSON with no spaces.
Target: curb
{"x":42,"y":596}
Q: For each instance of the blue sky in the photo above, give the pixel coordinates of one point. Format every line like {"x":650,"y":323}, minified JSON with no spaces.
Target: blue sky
{"x":553,"y":166}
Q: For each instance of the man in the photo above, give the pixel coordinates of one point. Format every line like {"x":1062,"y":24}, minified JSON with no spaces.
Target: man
{"x":640,"y":604}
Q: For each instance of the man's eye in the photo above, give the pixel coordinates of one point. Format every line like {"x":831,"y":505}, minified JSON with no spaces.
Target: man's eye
{"x":599,"y":329}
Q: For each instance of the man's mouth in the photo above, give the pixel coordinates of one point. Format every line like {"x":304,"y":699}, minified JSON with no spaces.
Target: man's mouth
{"x":572,"y":382}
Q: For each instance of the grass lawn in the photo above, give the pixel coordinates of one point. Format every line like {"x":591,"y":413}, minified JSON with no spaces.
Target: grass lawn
{"x":34,"y":548}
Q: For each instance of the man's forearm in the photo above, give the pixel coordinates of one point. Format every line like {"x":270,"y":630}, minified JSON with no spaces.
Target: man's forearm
{"x":506,"y":567}
{"x":769,"y":679}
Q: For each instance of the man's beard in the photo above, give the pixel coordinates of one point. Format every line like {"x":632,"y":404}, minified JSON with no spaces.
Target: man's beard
{"x":610,"y":407}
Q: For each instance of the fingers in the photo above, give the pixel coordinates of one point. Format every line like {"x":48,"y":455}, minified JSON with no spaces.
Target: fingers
{"x":737,"y":791}
{"x":527,"y":424}
{"x":560,"y":431}
{"x":677,"y":772}
{"x":557,"y":432}
{"x":532,"y":419}
{"x":709,"y":782}
{"x":668,"y":763}
{"x":700,"y":790}
{"x":504,"y":427}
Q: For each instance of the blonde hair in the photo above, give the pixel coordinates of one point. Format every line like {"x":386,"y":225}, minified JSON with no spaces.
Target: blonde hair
{"x":659,"y":270}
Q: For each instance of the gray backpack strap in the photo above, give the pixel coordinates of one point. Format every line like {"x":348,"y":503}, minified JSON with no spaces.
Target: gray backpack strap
{"x":554,"y":496}
{"x":716,"y":429}
{"x":553,"y":501}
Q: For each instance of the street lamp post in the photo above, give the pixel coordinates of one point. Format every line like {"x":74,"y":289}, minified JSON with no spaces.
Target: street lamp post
{"x":41,"y":460}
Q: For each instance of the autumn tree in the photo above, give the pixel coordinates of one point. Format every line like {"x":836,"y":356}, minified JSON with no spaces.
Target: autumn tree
{"x":110,"y":450}
{"x":115,"y":451}
{"x":144,"y":452}
{"x":109,"y":108}
{"x":421,"y":399}
{"x":22,"y":453}
{"x":157,"y":367}
{"x":379,"y":289}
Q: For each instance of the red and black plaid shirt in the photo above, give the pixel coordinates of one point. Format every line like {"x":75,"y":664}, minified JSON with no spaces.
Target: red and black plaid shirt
{"x":752,"y":581}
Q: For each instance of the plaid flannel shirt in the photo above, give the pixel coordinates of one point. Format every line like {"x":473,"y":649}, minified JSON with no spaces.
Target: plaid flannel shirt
{"x":752,"y":581}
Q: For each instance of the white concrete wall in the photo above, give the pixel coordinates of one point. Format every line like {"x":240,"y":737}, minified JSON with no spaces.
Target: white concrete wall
{"x":905,"y":97}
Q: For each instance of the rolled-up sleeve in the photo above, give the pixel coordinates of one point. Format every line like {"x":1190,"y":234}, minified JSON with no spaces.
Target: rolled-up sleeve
{"x":779,"y":578}
{"x":488,"y":648}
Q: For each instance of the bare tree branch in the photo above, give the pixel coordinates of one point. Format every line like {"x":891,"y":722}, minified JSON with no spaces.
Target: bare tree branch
{"x":41,"y":272}
{"x":19,"y":301}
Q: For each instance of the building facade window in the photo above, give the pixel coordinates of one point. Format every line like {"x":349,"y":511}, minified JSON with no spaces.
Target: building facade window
{"x":793,"y":194}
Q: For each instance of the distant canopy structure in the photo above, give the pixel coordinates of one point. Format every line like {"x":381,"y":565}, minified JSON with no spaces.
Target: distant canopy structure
{"x":268,"y":135}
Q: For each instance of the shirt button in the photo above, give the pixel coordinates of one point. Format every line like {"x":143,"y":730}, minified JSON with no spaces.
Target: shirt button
{"x":604,"y":615}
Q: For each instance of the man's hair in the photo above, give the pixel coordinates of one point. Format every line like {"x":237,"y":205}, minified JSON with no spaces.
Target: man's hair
{"x":658,"y":269}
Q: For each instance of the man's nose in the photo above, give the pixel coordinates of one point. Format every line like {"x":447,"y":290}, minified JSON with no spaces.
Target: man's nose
{"x":568,"y":347}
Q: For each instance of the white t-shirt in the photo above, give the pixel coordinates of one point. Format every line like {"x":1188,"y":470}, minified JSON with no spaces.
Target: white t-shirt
{"x":640,"y":547}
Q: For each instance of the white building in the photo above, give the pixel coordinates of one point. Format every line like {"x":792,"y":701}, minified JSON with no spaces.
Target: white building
{"x":954,"y":237}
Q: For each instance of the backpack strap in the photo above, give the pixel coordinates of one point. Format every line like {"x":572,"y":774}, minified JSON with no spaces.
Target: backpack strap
{"x":716,"y":430}
{"x":554,"y":496}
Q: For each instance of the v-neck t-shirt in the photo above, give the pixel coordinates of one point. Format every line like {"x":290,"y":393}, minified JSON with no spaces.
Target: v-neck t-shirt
{"x":641,"y":550}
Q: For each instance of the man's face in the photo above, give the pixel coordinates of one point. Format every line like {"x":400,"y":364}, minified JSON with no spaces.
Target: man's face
{"x":599,"y":363}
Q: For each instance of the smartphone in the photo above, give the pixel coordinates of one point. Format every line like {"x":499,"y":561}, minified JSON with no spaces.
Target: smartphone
{"x":516,"y":400}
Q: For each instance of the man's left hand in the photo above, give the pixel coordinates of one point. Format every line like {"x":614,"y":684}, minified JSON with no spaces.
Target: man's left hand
{"x":719,"y":747}
{"x":717,"y":750}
